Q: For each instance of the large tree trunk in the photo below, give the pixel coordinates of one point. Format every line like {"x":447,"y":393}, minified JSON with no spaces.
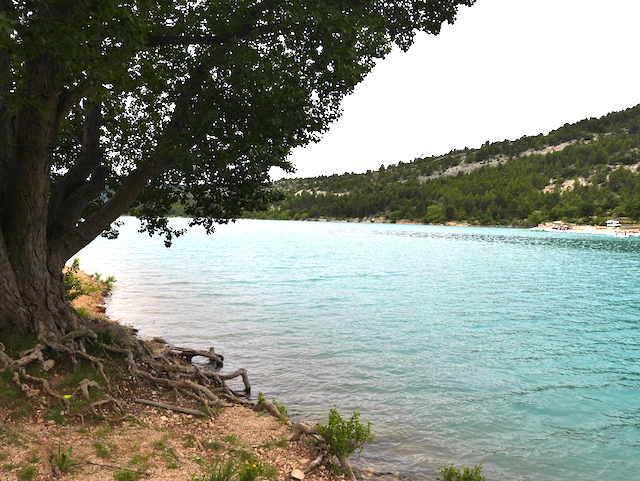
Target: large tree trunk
{"x":33,"y":305}
{"x":32,"y":297}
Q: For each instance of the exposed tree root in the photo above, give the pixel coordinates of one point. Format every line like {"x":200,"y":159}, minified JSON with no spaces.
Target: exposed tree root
{"x":310,"y":431}
{"x":47,"y":469}
{"x":171,"y":368}
{"x":189,"y":354}
{"x":271,"y":409}
{"x":177,"y":409}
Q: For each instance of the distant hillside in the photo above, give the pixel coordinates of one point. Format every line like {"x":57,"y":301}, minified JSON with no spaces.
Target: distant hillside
{"x":583,"y":172}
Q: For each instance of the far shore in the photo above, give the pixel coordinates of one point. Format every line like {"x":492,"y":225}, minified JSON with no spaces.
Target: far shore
{"x":631,"y":230}
{"x":624,"y":230}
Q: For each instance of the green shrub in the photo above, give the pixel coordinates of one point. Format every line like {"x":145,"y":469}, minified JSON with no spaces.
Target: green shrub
{"x":72,"y":283}
{"x":345,"y":437}
{"x":467,"y":474}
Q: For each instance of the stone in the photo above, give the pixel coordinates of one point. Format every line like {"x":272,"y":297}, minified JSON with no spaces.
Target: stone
{"x":48,"y":364}
{"x":297,"y":474}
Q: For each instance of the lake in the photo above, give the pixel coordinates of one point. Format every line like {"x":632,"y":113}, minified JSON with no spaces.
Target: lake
{"x":516,"y":349}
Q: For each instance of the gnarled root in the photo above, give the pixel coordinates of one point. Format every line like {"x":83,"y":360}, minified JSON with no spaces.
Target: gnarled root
{"x":271,"y":409}
{"x":171,"y":368}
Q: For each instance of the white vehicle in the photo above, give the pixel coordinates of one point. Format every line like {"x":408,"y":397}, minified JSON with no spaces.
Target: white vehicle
{"x":613,"y":223}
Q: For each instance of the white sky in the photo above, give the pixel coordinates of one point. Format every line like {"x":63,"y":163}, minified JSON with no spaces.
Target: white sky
{"x":505,"y":69}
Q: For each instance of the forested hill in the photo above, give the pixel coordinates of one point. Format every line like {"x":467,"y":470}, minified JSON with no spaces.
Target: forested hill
{"x":583,"y":172}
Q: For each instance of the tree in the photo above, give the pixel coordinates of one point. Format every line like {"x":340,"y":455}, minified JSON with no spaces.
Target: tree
{"x":110,"y":107}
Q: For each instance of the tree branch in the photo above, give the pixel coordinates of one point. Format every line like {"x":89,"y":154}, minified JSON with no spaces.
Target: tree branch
{"x":72,"y":194}
{"x":68,"y":242}
{"x":248,"y":30}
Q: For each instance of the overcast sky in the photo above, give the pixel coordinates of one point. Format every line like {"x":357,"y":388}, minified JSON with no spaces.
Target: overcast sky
{"x":505,"y":69}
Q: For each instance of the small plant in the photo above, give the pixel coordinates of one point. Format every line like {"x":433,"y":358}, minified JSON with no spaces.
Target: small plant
{"x":55,"y":414}
{"x":255,"y":469}
{"x":251,"y":470}
{"x":170,"y":458}
{"x":344,"y":437}
{"x":271,"y":444}
{"x":451,"y":473}
{"x":126,"y":475}
{"x":63,"y":460}
{"x":232,"y":439}
{"x":160,"y":445}
{"x":26,"y":473}
{"x":282,"y":409}
{"x":212,"y":445}
{"x":83,"y":312}
{"x":108,"y":282}
{"x":103,"y":431}
{"x":139,"y":460}
{"x":72,"y":283}
{"x":189,"y":441}
{"x":101,"y":450}
{"x":220,"y":472}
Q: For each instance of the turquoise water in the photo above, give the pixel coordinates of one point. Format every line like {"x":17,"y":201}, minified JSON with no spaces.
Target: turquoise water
{"x":517,"y":349}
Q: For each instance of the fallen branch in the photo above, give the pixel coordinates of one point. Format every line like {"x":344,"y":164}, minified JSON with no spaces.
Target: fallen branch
{"x":111,"y":466}
{"x":169,"y":407}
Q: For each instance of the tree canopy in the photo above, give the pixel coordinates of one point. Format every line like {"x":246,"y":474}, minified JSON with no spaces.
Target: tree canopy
{"x":109,"y":107}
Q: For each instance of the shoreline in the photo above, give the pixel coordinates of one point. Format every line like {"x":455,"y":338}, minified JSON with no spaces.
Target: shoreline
{"x":147,"y":442}
{"x":623,"y":231}
{"x":572,"y":228}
